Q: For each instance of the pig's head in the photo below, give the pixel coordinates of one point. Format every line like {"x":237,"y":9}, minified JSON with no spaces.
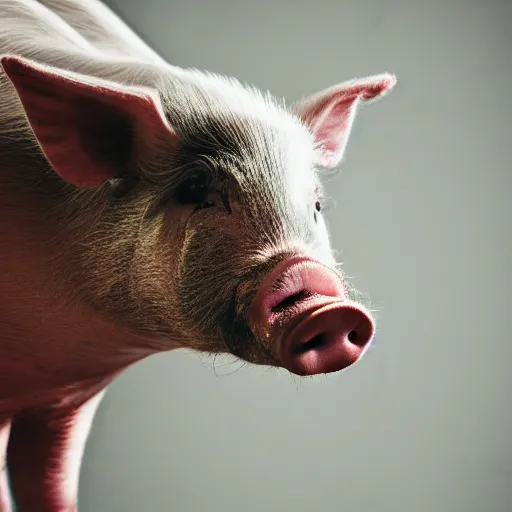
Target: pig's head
{"x":191,"y":211}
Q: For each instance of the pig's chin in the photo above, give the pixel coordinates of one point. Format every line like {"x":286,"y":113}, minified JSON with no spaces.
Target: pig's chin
{"x":242,"y":343}
{"x":265,"y":349}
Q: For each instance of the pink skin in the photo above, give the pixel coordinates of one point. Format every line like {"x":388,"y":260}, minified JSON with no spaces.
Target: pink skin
{"x":55,"y":362}
{"x":48,"y":445}
{"x":5,"y":502}
{"x":318,"y":329}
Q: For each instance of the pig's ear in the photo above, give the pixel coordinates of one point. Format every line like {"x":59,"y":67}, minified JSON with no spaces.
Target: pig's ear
{"x":330,"y":113}
{"x":89,"y":130}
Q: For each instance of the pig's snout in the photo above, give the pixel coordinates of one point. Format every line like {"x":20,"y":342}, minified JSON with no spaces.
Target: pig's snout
{"x":303,"y":307}
{"x":328,"y":339}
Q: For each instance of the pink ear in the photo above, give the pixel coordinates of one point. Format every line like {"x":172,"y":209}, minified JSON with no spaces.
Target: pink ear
{"x":89,"y":130}
{"x":330,"y":113}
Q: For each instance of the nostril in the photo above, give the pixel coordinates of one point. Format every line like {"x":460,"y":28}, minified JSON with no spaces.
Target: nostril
{"x":313,"y":344}
{"x":322,"y":340}
{"x":353,"y":337}
{"x":290,"y":301}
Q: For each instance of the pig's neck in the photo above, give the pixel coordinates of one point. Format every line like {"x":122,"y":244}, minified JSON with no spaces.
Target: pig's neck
{"x":47,"y":341}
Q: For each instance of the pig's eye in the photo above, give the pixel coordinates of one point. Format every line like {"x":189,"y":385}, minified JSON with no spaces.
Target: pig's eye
{"x":318,"y":208}
{"x":194,"y":191}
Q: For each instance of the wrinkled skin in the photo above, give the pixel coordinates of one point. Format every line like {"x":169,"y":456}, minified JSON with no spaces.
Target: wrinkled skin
{"x":146,"y":208}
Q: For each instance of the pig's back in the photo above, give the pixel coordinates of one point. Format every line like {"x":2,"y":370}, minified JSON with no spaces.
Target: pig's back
{"x":104,"y":29}
{"x":31,"y":30}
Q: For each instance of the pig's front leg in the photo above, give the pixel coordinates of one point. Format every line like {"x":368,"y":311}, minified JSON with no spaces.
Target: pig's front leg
{"x":5,"y":495}
{"x":44,"y":455}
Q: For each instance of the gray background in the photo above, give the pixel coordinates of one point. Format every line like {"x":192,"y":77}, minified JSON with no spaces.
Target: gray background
{"x":423,"y":218}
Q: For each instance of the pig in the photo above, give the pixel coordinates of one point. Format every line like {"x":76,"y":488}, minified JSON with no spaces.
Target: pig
{"x":145,"y":208}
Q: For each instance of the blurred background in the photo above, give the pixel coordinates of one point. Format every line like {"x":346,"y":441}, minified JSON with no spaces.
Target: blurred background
{"x":423,"y":218}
